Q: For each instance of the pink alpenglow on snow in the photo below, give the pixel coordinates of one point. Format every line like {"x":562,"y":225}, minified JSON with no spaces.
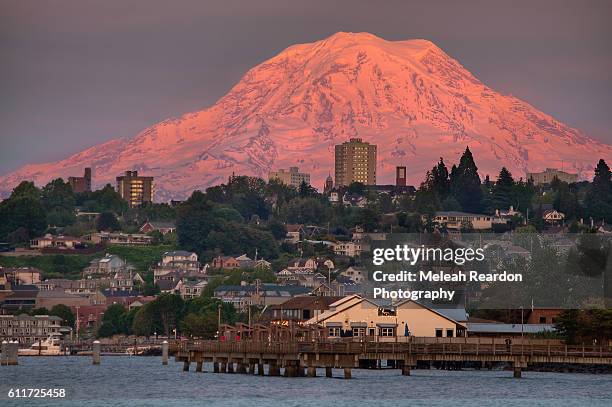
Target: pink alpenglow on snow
{"x":409,"y":98}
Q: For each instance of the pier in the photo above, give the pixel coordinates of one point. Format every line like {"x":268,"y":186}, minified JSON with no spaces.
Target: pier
{"x":303,"y":358}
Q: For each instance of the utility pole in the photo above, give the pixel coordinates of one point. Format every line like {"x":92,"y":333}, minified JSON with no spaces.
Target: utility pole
{"x":219,"y":321}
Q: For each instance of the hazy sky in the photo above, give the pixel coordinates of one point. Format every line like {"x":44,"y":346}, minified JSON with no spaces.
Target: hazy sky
{"x":75,"y":73}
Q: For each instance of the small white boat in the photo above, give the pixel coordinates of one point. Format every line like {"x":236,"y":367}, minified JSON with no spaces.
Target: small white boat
{"x":49,"y":347}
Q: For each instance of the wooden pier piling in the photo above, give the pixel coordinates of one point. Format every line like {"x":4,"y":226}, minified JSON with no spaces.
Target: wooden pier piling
{"x":164,"y":352}
{"x":96,"y":352}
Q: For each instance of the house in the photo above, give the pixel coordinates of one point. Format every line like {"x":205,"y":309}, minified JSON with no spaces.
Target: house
{"x":552,"y":216}
{"x":140,"y":301}
{"x":357,"y":316}
{"x":56,"y":242}
{"x":458,"y":220}
{"x":190,"y":289}
{"x":357,"y":274}
{"x":303,"y":277}
{"x":122,"y":239}
{"x":354,"y":200}
{"x":242,"y":296}
{"x":50,"y":298}
{"x":349,"y":249}
{"x":155,"y":226}
{"x":301,"y":309}
{"x":109,"y":264}
{"x":89,"y":317}
{"x":294,"y":234}
{"x":124,"y":298}
{"x":21,"y":275}
{"x":225,"y":262}
{"x":246,"y":263}
{"x":179,"y":260}
{"x":125,"y":281}
{"x":544,"y":315}
{"x":20,"y":297}
{"x":168,"y":286}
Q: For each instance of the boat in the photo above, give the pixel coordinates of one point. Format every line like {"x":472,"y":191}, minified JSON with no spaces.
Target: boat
{"x":49,"y":347}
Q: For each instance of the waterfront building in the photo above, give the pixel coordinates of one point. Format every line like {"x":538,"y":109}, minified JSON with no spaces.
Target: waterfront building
{"x":547,"y":176}
{"x":242,"y":296}
{"x":81,"y":184}
{"x":355,"y":162}
{"x":356,"y":316}
{"x":292,"y":177}
{"x":27,"y":329}
{"x":135,"y":189}
{"x":300,"y":309}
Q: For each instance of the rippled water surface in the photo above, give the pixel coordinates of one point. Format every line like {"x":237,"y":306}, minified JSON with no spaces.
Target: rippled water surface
{"x":143,"y":381}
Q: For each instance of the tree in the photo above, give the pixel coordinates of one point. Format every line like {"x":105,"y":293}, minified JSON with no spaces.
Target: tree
{"x":306,"y":190}
{"x":502,"y":190}
{"x":202,"y":326}
{"x":465,"y":183}
{"x":112,"y":321}
{"x":306,"y":211}
{"x":440,"y":180}
{"x":65,"y":313}
{"x":598,"y":200}
{"x":105,"y":199}
{"x":277,"y":228}
{"x":59,"y":202}
{"x":168,"y":308}
{"x":22,"y":210}
{"x":357,"y":188}
{"x":194,"y":222}
{"x":107,"y":221}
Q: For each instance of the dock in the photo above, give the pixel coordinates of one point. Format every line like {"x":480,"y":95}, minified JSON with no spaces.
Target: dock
{"x":303,"y":358}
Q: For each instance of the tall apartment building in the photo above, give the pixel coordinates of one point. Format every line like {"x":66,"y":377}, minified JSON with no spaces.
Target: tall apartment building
{"x":135,"y":189}
{"x":291,"y":177}
{"x":81,"y":184}
{"x":355,"y":162}
{"x":547,"y":176}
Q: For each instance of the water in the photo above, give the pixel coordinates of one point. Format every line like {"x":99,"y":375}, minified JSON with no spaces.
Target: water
{"x":143,"y":381}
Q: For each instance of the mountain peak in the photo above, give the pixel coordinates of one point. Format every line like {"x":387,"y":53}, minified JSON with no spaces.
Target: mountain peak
{"x":408,"y":97}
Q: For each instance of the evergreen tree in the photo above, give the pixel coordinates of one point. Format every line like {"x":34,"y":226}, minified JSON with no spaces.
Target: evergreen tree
{"x":599,"y":197}
{"x":502,"y":190}
{"x":465,"y":183}
{"x":440,"y":180}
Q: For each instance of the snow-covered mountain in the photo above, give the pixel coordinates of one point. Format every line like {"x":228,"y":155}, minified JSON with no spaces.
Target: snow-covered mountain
{"x":408,"y":97}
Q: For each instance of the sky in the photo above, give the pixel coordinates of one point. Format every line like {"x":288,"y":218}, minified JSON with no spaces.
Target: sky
{"x":77,"y":73}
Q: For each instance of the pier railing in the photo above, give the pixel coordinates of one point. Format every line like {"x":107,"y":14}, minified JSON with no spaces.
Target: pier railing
{"x":418,"y":346}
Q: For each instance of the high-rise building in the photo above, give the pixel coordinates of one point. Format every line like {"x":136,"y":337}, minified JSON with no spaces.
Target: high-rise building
{"x":546,"y":177}
{"x":355,"y":162}
{"x":291,"y":177}
{"x":81,"y":184}
{"x":400,"y":176}
{"x":135,"y":189}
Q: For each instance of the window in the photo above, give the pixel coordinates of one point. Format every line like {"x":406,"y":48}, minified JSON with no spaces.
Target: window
{"x":334,"y":332}
{"x":386,"y":332}
{"x":449,"y":333}
{"x":438,"y":333}
{"x":542,"y":320}
{"x":371,"y":331}
{"x":359,"y":332}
